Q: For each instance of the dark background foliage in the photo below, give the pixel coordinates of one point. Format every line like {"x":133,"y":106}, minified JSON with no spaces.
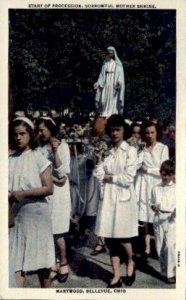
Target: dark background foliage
{"x":55,"y":56}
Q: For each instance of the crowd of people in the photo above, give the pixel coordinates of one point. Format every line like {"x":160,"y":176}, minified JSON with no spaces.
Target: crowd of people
{"x":62,"y":173}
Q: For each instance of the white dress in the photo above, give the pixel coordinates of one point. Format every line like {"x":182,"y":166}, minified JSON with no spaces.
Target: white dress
{"x":117,"y":212}
{"x":145,"y":181}
{"x":60,"y":201}
{"x":164,"y":198}
{"x":31,"y":239}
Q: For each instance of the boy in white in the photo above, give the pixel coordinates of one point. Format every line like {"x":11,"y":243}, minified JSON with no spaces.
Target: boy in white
{"x":164,"y":205}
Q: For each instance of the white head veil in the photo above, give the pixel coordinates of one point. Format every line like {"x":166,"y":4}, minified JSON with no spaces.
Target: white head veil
{"x":118,"y":61}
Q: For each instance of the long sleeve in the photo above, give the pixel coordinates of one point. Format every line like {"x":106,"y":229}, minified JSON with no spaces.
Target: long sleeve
{"x":99,"y":172}
{"x":164,"y":156}
{"x":126,"y":178}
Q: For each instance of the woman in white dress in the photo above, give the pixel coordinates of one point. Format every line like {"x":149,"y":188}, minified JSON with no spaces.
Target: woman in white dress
{"x":58,"y":153}
{"x":30,"y":181}
{"x":117,"y":212}
{"x":150,"y":160}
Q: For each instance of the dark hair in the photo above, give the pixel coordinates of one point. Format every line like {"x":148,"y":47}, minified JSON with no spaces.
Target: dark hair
{"x":33,"y":141}
{"x":50,"y":126}
{"x":117,"y":121}
{"x":168,"y":166}
{"x":147,"y":124}
{"x":135,"y":124}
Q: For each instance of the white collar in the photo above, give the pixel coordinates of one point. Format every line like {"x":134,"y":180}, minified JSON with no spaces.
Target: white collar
{"x":123,"y":146}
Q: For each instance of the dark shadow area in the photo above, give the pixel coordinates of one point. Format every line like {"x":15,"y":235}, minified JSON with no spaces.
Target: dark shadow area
{"x":84,"y":268}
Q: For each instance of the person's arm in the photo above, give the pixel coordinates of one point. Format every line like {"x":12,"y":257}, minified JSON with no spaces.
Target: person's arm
{"x":127,"y":177}
{"x":57,"y":160}
{"x":101,"y":79}
{"x":60,"y":181}
{"x":98,"y":171}
{"x":45,"y":190}
{"x":153,"y":203}
{"x":63,"y":155}
{"x":156,"y":171}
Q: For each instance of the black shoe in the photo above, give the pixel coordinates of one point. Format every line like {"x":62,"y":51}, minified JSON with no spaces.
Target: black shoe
{"x":129,"y":280}
{"x":62,"y":277}
{"x":171,"y":280}
{"x":118,"y":284}
{"x":96,"y":252}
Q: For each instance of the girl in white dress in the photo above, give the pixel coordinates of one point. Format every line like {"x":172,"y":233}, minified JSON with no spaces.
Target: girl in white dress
{"x":117,"y":212}
{"x":58,"y":153}
{"x":149,"y":162}
{"x":30,"y":181}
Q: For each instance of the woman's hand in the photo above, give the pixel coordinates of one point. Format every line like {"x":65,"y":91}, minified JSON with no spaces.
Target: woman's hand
{"x":95,"y":86}
{"x":98,"y":155}
{"x":62,"y":181}
{"x":55,"y":144}
{"x":118,"y":85}
{"x":16,"y":197}
{"x":144,"y":169}
{"x":10,"y":198}
{"x":154,"y":208}
{"x":107,"y":179}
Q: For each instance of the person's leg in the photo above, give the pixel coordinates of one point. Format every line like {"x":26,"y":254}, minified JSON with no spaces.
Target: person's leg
{"x":171,"y":253}
{"x":114,"y":248}
{"x":115,"y":261}
{"x":63,"y":270}
{"x":147,"y":238}
{"x":100,"y":246}
{"x":20,"y":279}
{"x":100,"y":243}
{"x":44,"y":278}
{"x":130,"y":262}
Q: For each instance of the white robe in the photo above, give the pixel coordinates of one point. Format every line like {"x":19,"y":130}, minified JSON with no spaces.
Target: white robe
{"x":110,"y":99}
{"x":60,"y":201}
{"x":145,"y":181}
{"x":164,"y":198}
{"x":117,"y":211}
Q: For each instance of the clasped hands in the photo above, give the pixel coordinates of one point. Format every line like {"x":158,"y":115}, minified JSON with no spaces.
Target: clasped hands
{"x":16,"y":196}
{"x":55,"y":144}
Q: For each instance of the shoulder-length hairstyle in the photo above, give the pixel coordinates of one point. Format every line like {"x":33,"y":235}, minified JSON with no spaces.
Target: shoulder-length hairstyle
{"x":117,"y":121}
{"x":147,"y":124}
{"x":49,"y":124}
{"x":12,"y":144}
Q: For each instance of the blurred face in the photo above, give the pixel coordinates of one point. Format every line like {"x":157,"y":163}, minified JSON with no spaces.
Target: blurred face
{"x":151,"y":134}
{"x":136,"y":132}
{"x":110,"y":54}
{"x":21,"y":137}
{"x":44,"y":133}
{"x":172,"y":133}
{"x":166,"y":178}
{"x":116,"y":134}
{"x":53,"y":113}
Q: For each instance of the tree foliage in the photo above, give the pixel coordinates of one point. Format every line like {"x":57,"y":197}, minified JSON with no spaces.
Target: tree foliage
{"x":55,"y":56}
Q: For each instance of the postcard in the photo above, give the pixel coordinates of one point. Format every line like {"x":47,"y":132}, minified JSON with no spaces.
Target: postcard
{"x":67,"y":63}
